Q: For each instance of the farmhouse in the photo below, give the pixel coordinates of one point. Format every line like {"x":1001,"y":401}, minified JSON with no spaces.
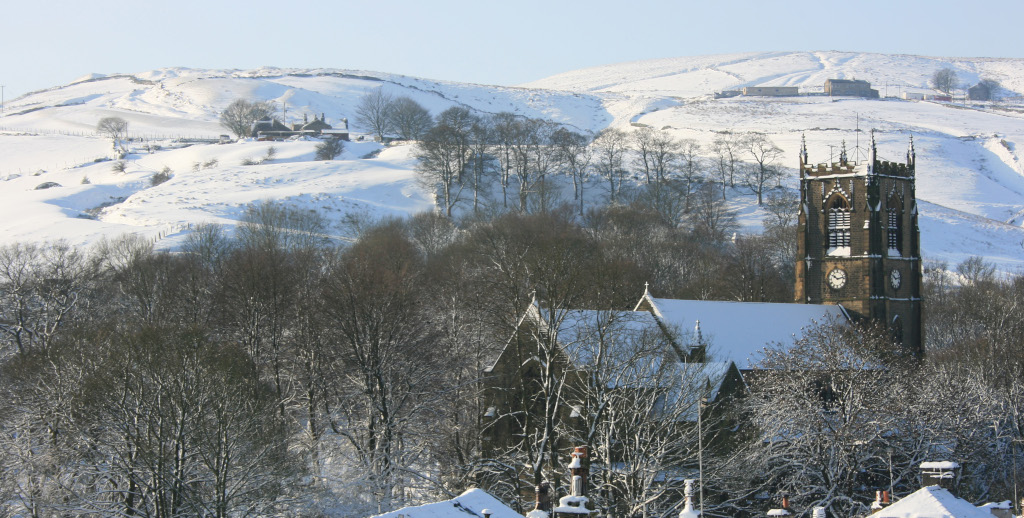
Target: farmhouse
{"x":980,"y":92}
{"x":273,"y":129}
{"x":850,"y":87}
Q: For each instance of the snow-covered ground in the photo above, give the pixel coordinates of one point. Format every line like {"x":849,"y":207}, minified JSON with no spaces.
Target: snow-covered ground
{"x":970,"y":174}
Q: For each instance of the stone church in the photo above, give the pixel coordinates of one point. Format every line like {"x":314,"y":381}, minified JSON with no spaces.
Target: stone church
{"x":858,"y":259}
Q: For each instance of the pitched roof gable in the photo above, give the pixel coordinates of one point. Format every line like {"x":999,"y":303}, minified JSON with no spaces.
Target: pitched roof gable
{"x":739,"y":331}
{"x":932,"y":502}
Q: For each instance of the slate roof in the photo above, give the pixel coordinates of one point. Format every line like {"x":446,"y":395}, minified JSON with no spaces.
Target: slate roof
{"x":739,"y":331}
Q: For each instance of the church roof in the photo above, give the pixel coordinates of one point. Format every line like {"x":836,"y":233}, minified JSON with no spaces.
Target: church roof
{"x":932,"y":502}
{"x":630,"y":335}
{"x":739,"y":331}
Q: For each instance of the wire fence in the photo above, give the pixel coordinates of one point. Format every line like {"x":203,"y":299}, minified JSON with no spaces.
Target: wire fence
{"x":132,"y":136}
{"x":136,"y":138}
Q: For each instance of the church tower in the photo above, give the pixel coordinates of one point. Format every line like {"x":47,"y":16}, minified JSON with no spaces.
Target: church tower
{"x":858,"y":242}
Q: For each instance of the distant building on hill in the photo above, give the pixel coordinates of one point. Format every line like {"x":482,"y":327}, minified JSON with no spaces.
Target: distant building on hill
{"x":850,"y":87}
{"x":273,"y":129}
{"x":315,"y":127}
{"x":980,"y":92}
{"x":771,"y":91}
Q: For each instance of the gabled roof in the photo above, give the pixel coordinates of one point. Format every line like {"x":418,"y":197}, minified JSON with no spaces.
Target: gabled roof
{"x":268,"y":125}
{"x":739,"y":331}
{"x":467,"y":505}
{"x":580,"y":331}
{"x":932,"y":502}
{"x":579,"y":328}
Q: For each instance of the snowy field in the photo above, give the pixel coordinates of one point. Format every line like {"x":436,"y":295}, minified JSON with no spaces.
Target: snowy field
{"x":970,"y":175}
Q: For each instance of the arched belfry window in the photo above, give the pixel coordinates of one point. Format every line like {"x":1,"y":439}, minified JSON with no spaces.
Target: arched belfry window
{"x":838,"y":226}
{"x":897,"y":329}
{"x":894,"y":230}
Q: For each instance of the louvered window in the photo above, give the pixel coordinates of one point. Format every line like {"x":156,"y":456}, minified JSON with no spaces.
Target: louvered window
{"x":838,"y":227}
{"x":894,"y":231}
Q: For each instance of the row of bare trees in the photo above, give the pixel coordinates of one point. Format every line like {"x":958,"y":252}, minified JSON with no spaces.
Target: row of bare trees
{"x":275,"y":372}
{"x":270,"y":368}
{"x":465,"y":153}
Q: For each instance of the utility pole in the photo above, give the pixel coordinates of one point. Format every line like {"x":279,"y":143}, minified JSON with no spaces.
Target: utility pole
{"x":1,"y":99}
{"x":857,"y":159}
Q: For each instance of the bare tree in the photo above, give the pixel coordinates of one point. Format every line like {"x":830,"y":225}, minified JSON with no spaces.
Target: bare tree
{"x":443,"y":154}
{"x":664,"y":154}
{"x":409,"y":119}
{"x":506,"y":129}
{"x":690,"y":166}
{"x":39,"y":288}
{"x":482,"y":163}
{"x":643,"y":141}
{"x":711,"y":219}
{"x":533,"y":159}
{"x":822,"y":406}
{"x":764,"y":152}
{"x":610,"y":149}
{"x":386,"y":384}
{"x":116,"y":129}
{"x":636,"y":402}
{"x":944,"y":80}
{"x":726,"y":149}
{"x":373,"y":112}
{"x":241,"y":114}
{"x":573,"y":156}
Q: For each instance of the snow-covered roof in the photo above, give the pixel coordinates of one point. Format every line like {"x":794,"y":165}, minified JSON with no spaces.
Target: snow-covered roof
{"x":932,"y":502}
{"x":467,"y":505}
{"x":580,"y":329}
{"x":739,"y":331}
{"x":940,"y":465}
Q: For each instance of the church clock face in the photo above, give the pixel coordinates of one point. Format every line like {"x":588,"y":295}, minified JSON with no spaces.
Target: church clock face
{"x":836,"y":278}
{"x":894,"y":279}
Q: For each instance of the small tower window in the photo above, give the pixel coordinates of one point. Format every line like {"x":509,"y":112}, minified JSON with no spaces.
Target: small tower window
{"x":893,"y":231}
{"x":839,"y":227}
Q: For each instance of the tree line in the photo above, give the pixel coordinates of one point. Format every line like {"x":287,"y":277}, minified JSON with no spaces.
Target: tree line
{"x":274,"y":372}
{"x":470,"y":159}
{"x":271,"y":368}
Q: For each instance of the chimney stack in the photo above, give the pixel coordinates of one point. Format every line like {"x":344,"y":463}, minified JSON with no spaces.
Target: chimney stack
{"x":575,"y":504}
{"x":944,"y":474}
{"x":881,"y":501}
{"x":784,"y":511}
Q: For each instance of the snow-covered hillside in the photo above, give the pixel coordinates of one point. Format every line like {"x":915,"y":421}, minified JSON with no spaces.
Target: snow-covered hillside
{"x":970,"y":173}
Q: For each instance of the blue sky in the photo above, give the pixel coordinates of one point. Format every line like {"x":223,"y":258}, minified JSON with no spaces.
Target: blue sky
{"x":49,"y":43}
